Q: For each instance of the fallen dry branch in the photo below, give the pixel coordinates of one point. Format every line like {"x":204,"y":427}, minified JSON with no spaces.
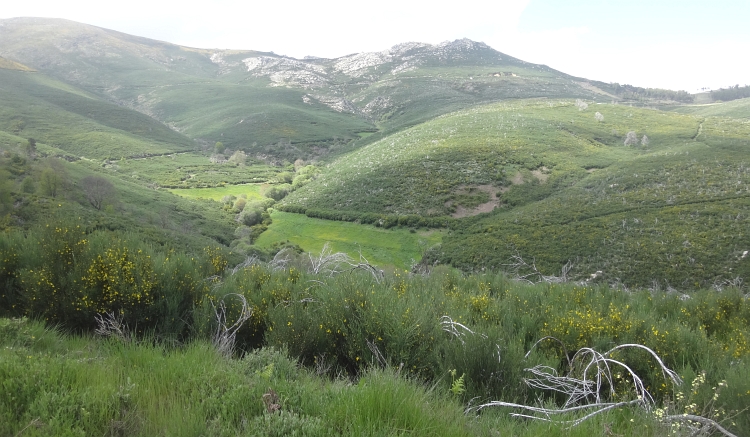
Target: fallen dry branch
{"x":224,"y":336}
{"x":111,"y":325}
{"x":587,"y":386}
{"x":523,"y":271}
{"x":692,"y":420}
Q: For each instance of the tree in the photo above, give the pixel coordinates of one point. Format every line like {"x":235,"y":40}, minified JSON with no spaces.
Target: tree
{"x":598,"y":116}
{"x":238,"y":157}
{"x":98,"y":190}
{"x":219,"y":148}
{"x":644,"y":140}
{"x":631,"y":138}
{"x":6,"y":185}
{"x":50,"y":181}
{"x":27,"y":186}
{"x":582,"y":106}
{"x":30,"y":148}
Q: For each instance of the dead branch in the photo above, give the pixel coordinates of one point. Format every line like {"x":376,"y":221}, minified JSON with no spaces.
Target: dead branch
{"x":379,"y":357}
{"x":224,"y":336}
{"x":111,"y":325}
{"x":457,"y":329}
{"x":328,"y":263}
{"x":587,"y":385}
{"x":705,"y":422}
{"x":524,"y":271}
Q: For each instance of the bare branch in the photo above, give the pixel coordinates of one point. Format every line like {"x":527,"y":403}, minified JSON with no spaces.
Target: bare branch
{"x":530,"y":273}
{"x":111,"y":325}
{"x":225,"y":336}
{"x":699,"y":419}
{"x":589,"y":381}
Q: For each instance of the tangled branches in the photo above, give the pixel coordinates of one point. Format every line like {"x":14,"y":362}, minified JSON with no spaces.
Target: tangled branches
{"x":589,"y":387}
{"x":111,"y":325}
{"x":523,"y":271}
{"x":331,"y":264}
{"x":224,"y":336}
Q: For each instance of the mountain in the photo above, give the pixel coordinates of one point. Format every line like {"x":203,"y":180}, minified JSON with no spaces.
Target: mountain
{"x":275,"y":105}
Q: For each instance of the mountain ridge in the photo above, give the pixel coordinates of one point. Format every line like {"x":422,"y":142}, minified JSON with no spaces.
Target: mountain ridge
{"x":254,"y":100}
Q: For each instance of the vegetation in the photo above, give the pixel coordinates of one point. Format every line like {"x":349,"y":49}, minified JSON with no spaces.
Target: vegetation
{"x":397,"y":247}
{"x":351,"y":188}
{"x":348,"y":323}
{"x":731,"y":93}
{"x":635,"y":93}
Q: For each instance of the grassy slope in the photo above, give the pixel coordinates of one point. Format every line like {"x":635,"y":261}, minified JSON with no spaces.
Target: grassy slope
{"x":381,"y":247}
{"x":416,"y":171}
{"x":674,"y":212}
{"x":736,"y":109}
{"x":221,"y":101}
{"x":156,"y":216}
{"x":54,"y":113}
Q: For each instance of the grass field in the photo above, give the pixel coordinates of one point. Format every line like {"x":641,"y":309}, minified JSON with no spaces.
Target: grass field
{"x":192,"y":170}
{"x":252,"y":191}
{"x":381,"y":247}
{"x":736,"y":108}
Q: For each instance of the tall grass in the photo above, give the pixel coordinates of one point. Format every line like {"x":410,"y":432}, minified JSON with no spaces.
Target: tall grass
{"x":54,"y":384}
{"x":346,"y":325}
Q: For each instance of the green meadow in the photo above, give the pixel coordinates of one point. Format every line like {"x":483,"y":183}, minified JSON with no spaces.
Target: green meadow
{"x":252,"y":191}
{"x":382,"y":247}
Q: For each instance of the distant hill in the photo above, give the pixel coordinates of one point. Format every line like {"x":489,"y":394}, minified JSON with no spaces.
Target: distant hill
{"x":735,"y":108}
{"x":555,"y":181}
{"x":280,"y":106}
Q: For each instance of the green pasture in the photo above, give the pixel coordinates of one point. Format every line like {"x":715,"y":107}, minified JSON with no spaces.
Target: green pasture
{"x":736,"y":108}
{"x":252,"y":191}
{"x":192,"y":170}
{"x":381,"y":247}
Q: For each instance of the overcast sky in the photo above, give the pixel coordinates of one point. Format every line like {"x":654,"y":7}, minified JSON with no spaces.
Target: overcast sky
{"x":677,"y":44}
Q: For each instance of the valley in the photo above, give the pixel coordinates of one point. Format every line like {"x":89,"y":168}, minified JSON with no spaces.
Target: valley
{"x":389,"y":219}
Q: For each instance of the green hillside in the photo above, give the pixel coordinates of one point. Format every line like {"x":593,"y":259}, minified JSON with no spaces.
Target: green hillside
{"x":736,"y":108}
{"x":274,"y":105}
{"x":33,"y":105}
{"x":36,"y":192}
{"x":551,"y":183}
{"x":457,"y":135}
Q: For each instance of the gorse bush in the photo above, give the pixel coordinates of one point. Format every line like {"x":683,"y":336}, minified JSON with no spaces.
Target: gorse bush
{"x":66,"y":276}
{"x":351,"y":322}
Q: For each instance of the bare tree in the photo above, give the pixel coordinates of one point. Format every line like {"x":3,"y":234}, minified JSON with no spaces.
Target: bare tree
{"x":98,"y":190}
{"x":582,"y":106}
{"x":631,"y":138}
{"x":598,"y":116}
{"x":644,"y":140}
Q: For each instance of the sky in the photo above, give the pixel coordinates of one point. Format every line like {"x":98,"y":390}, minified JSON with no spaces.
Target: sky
{"x":674,"y":44}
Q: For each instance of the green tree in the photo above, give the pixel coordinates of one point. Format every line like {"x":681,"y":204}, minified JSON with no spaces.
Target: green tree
{"x":28,"y":185}
{"x":219,"y":147}
{"x":53,"y":177}
{"x":30,"y":148}
{"x":50,"y":181}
